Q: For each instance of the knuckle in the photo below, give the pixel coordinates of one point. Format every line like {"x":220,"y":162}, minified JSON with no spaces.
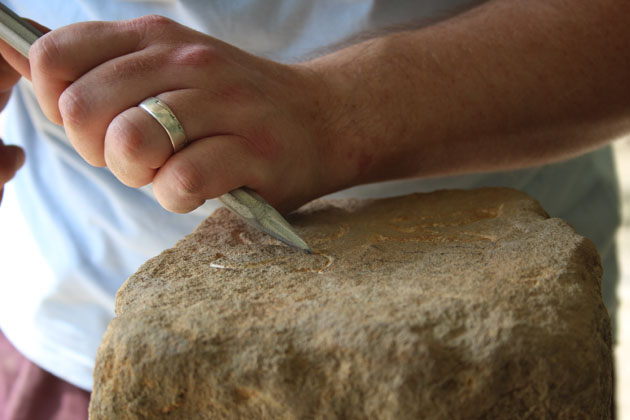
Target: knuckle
{"x":125,"y":139}
{"x":196,"y":55}
{"x":154,"y":20}
{"x":73,"y":108}
{"x":150,"y":24}
{"x":187,"y":180}
{"x":44,"y":55}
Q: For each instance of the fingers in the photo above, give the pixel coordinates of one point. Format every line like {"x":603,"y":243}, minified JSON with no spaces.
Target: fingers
{"x":8,"y":76}
{"x":11,"y":159}
{"x":88,"y":106}
{"x":91,"y":76}
{"x":64,"y":56}
{"x":205,"y":169}
{"x":136,"y":145}
{"x":86,"y":74}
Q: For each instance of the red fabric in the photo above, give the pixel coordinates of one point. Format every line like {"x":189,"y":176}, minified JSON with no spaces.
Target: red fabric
{"x":28,"y":392}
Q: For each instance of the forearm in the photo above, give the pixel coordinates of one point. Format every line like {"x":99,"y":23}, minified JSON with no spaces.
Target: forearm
{"x":507,"y":85}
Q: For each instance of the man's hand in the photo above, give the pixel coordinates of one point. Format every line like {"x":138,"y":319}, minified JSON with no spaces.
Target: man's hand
{"x":505,"y":85}
{"x":249,"y":121}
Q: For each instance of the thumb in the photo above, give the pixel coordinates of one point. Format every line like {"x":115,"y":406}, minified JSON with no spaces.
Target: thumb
{"x":11,"y":159}
{"x":17,"y":60}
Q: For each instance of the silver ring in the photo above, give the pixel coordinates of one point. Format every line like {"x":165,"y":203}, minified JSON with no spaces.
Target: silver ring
{"x":164,"y":115}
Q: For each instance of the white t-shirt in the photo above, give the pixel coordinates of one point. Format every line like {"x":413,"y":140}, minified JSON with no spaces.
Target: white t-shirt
{"x":89,"y":232}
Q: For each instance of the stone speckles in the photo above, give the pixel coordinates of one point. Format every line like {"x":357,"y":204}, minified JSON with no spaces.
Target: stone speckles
{"x":448,"y":305}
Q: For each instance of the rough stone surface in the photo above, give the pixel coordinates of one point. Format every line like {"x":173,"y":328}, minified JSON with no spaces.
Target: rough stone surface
{"x":448,"y":305}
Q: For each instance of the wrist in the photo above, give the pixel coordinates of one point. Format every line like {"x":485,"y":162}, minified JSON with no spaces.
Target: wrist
{"x":343,"y":111}
{"x":327,"y":110}
{"x":366,"y":100}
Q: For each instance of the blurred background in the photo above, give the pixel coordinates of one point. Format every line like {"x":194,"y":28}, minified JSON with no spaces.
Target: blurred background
{"x":622,"y":350}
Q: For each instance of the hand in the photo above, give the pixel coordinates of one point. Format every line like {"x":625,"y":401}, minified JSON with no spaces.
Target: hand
{"x":11,"y":159}
{"x":249,"y":121}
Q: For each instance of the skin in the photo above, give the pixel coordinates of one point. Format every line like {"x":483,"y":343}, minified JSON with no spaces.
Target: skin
{"x":505,"y":85}
{"x":11,"y":157}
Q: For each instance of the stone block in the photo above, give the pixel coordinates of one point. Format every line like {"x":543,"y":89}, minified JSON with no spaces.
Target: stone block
{"x":446,"y":305}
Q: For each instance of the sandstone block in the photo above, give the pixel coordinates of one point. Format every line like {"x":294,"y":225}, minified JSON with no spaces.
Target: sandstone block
{"x":448,"y":305}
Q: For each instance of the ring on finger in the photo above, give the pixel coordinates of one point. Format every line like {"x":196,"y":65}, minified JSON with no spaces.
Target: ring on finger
{"x":167,"y":119}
